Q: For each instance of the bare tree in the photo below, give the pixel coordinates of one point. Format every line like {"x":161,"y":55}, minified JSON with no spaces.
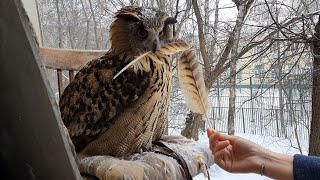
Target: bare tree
{"x":94,"y":24}
{"x":314,"y":143}
{"x":243,"y":8}
{"x":212,"y":74}
{"x":87,"y":25}
{"x":275,"y":34}
{"x":59,"y":25}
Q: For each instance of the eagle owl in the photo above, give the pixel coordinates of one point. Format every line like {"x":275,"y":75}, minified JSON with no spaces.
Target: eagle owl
{"x":120,"y":116}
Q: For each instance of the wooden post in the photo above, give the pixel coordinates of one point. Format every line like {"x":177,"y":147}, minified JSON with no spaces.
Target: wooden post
{"x":251,"y":100}
{"x":71,"y":75}
{"x":60,"y":84}
{"x":243,"y":121}
{"x":277,"y":119}
{"x":219,"y":103}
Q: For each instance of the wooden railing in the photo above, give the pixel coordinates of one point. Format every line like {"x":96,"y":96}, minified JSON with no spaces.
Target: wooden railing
{"x":67,"y":60}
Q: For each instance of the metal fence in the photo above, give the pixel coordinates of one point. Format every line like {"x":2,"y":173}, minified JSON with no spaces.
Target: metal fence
{"x":258,"y":111}
{"x":264,"y":119}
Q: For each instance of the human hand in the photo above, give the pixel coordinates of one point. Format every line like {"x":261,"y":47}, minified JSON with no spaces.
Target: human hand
{"x":236,"y":154}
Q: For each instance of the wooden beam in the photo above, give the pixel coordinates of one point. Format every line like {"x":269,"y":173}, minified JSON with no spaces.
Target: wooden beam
{"x":68,"y":59}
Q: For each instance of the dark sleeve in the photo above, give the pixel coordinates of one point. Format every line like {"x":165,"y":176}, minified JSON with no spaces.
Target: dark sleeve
{"x":306,"y":167}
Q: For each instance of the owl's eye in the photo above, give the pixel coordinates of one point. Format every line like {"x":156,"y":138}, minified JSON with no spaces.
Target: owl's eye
{"x":142,"y":33}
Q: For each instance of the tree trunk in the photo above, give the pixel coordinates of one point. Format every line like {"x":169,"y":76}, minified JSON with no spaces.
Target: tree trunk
{"x":94,"y":24}
{"x":59,"y":25}
{"x":193,"y":123}
{"x":185,"y":16}
{"x":202,"y":40}
{"x":192,"y":127}
{"x":233,"y":68}
{"x":87,"y":25}
{"x":314,"y":143}
{"x":213,"y":53}
{"x":279,"y":78}
{"x":232,"y":98}
{"x":69,"y":24}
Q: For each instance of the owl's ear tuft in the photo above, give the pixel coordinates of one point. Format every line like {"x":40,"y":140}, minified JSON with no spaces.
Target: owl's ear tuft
{"x":129,"y":17}
{"x":170,"y":20}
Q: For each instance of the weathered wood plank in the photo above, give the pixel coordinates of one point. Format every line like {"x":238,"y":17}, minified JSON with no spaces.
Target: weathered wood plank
{"x":67,"y":59}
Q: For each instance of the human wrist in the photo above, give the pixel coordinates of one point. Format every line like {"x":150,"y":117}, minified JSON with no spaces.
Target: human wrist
{"x":262,"y":157}
{"x":277,"y":166}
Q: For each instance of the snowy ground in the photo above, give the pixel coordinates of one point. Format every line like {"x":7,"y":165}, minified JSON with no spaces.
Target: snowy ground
{"x":280,"y":145}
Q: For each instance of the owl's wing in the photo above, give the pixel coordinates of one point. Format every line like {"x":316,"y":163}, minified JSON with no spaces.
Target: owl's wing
{"x":92,"y":102}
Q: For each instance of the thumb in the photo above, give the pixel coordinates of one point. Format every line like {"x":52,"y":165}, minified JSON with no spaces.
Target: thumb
{"x":210,"y":131}
{"x":223,"y":137}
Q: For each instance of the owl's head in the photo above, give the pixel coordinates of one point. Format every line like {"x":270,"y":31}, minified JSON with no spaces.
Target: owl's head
{"x":136,"y":30}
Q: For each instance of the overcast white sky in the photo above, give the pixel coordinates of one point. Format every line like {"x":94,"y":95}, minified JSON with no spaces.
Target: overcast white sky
{"x":227,"y":13}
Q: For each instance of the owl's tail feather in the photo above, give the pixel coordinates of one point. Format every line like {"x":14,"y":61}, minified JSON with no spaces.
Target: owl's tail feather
{"x":192,"y":82}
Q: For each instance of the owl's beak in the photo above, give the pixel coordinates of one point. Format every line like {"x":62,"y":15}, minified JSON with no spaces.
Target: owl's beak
{"x":153,"y":43}
{"x":156,"y":45}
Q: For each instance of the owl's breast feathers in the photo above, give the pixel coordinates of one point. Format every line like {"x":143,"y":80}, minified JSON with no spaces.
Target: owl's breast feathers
{"x":94,"y":101}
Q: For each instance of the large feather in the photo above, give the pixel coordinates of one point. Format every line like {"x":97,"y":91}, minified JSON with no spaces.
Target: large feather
{"x":141,"y":61}
{"x":131,"y":63}
{"x":192,"y":82}
{"x":173,"y":47}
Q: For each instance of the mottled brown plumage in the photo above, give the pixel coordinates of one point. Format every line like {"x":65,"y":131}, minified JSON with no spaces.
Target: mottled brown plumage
{"x":120,"y":116}
{"x":110,"y":109}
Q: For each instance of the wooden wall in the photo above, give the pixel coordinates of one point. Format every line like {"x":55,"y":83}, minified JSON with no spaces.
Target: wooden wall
{"x":32,"y":144}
